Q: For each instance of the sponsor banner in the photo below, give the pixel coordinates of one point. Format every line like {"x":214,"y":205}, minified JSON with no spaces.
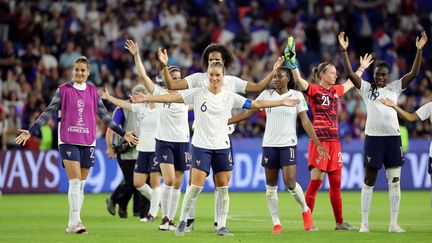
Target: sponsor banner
{"x":38,"y":171}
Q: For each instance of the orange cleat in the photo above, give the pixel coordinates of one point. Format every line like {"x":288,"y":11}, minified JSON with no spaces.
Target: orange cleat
{"x":307,"y":220}
{"x":277,"y":229}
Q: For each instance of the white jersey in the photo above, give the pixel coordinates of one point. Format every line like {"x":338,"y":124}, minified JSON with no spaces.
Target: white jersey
{"x":281,"y":123}
{"x":381,"y":120}
{"x":173,"y":123}
{"x":147,"y":124}
{"x":231,"y":84}
{"x":424,"y":113}
{"x":212,"y":112}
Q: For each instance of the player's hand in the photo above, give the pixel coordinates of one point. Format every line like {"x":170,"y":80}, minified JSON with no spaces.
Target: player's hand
{"x":138,"y":97}
{"x":278,"y":62}
{"x":388,"y":102}
{"x":110,"y":152}
{"x":287,"y":101}
{"x":132,"y":47}
{"x":323,"y":153}
{"x":104,"y":94}
{"x":163,"y":56}
{"x":366,"y":61}
{"x":422,"y":41}
{"x":131,"y":138}
{"x":23,"y":137}
{"x":290,"y":54}
{"x":343,"y":41}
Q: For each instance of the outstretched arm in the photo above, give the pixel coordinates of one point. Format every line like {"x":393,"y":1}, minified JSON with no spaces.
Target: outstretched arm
{"x":132,"y":47}
{"x":287,"y":101}
{"x":241,"y":116}
{"x":407,"y":78}
{"x":365,"y":62}
{"x":402,"y":113}
{"x":169,"y":82}
{"x":355,"y":79}
{"x":118,"y":102}
{"x":307,"y":125}
{"x":260,"y":86}
{"x":166,"y":98}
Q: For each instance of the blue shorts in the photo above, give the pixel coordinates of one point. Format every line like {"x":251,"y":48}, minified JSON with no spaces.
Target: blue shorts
{"x":83,"y":154}
{"x":379,"y":150}
{"x":173,"y":153}
{"x":278,"y":157}
{"x":218,"y":159}
{"x":146,"y":163}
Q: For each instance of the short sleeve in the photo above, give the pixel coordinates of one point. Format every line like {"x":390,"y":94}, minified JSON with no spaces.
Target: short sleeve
{"x":189,"y":95}
{"x":158,"y":90}
{"x":302,"y":106}
{"x":312,"y":90}
{"x":238,"y":101}
{"x":397,"y":86}
{"x":138,"y":107}
{"x":239,"y":85}
{"x":194,"y":80}
{"x":339,"y":89}
{"x":425,"y":111}
{"x":364,"y":87}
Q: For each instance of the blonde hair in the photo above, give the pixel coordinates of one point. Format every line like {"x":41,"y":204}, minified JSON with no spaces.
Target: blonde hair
{"x":83,"y":59}
{"x":217,"y":64}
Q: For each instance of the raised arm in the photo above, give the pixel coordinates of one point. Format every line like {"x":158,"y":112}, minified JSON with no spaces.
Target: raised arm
{"x":402,"y":113}
{"x":407,"y":78}
{"x":241,"y":116}
{"x":291,"y":62}
{"x":132,"y":47}
{"x":169,"y":82}
{"x":166,"y":98}
{"x":118,"y":102}
{"x":261,"y":85}
{"x":355,"y":79}
{"x":365,"y":62}
{"x":308,"y":127}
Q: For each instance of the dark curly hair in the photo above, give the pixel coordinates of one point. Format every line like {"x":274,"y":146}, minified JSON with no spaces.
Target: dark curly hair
{"x":227,"y":55}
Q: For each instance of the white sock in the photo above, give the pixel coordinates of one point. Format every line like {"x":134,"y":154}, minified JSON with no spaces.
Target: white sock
{"x":155,"y":200}
{"x":81,"y":201}
{"x":298,"y":195}
{"x":222,"y":205}
{"x":174,"y":203}
{"x":74,"y":202}
{"x":393,"y":179}
{"x":191,"y":195}
{"x":272,"y":203}
{"x":215,"y":205}
{"x":191,"y":213}
{"x":146,"y":191}
{"x":166,"y":196}
{"x":366,"y":199}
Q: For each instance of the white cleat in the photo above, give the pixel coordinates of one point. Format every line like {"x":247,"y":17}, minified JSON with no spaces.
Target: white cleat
{"x":396,"y":229}
{"x":364,"y":228}
{"x":190,"y":225}
{"x":77,"y":229}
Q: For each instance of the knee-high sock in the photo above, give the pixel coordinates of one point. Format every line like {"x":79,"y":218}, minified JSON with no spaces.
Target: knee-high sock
{"x":393,"y":178}
{"x":366,"y":199}
{"x":215,"y":205}
{"x":190,"y":196}
{"x":335,"y":194}
{"x":174,"y":203}
{"x":191,"y":213}
{"x":74,"y":202}
{"x":166,"y":197}
{"x":314,"y":186}
{"x":155,"y":200}
{"x":298,"y":195}
{"x":222,"y":205}
{"x":81,"y":201}
{"x":146,"y":191}
{"x":272,"y":203}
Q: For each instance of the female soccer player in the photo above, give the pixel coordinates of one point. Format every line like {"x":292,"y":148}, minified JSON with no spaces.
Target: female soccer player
{"x":382,"y":143}
{"x":77,"y":103}
{"x":146,"y":164}
{"x":279,"y":144}
{"x":324,"y":101}
{"x":210,"y":142}
{"x":172,"y":140}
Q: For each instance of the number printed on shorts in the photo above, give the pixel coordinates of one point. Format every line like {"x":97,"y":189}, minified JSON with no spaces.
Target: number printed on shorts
{"x":340,"y":158}
{"x":326,"y":100}
{"x":204,"y":107}
{"x":292,"y":153}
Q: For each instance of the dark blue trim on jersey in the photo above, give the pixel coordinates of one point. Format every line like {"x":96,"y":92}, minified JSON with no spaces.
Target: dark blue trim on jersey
{"x":247,"y":104}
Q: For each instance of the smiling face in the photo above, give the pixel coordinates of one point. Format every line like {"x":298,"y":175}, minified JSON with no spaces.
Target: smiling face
{"x":381,"y":76}
{"x":80,"y":72}
{"x":215,"y":76}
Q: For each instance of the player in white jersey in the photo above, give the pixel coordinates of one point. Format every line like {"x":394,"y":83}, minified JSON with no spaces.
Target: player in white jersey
{"x":280,"y":144}
{"x":421,"y":114}
{"x":172,"y":140}
{"x":146,"y":165}
{"x":217,"y":53}
{"x":382,"y":142}
{"x":211,"y":145}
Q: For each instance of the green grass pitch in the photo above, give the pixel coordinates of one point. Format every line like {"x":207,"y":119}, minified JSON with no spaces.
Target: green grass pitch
{"x":43,"y":218}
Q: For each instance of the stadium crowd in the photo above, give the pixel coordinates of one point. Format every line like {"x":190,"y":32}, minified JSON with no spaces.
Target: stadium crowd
{"x":40,"y":40}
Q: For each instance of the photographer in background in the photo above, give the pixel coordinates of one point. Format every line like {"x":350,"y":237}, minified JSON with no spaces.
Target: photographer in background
{"x":126,"y":156}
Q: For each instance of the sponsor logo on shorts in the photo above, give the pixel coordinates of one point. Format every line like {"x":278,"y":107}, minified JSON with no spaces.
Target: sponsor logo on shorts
{"x":265,"y":160}
{"x":198,"y":162}
{"x":69,"y":153}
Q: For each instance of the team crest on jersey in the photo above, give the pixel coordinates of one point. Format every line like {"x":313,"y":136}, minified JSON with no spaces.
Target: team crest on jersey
{"x":368,"y":159}
{"x":198,"y":162}
{"x":165,"y":157}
